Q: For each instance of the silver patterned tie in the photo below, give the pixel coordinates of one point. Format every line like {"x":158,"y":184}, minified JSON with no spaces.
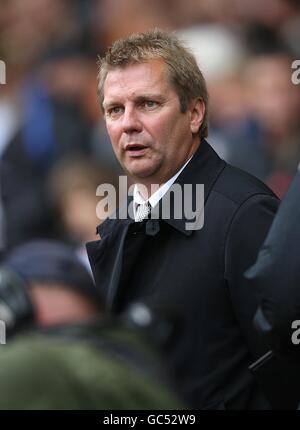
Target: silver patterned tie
{"x":142,"y":211}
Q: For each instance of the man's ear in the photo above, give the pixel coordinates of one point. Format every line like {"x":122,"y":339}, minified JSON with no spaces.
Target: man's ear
{"x":197,"y":109}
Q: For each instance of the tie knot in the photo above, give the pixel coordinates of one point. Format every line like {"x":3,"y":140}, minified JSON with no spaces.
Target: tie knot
{"x":142,"y":211}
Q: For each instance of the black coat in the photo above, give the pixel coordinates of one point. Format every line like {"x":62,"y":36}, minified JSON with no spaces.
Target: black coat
{"x":276,"y":278}
{"x":276,"y":275}
{"x":199,"y":275}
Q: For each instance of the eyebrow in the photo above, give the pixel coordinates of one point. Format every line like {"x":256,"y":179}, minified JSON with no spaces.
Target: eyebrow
{"x":138,"y":99}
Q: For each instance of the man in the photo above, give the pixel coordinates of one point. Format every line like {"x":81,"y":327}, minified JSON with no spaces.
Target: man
{"x":60,"y":351}
{"x":154,"y":100}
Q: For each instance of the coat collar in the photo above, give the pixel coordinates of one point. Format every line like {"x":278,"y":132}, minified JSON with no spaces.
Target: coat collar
{"x":204,"y":168}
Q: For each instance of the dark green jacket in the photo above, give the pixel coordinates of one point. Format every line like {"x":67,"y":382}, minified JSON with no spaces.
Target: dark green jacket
{"x":39,"y":371}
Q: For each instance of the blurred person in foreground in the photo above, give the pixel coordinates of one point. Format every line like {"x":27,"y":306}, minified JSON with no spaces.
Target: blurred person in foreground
{"x":61,"y":353}
{"x":276,"y":278}
{"x":155,"y":105}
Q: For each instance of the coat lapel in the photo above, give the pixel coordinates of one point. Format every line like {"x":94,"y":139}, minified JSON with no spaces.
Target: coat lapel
{"x":106,"y":257}
{"x":204,"y":169}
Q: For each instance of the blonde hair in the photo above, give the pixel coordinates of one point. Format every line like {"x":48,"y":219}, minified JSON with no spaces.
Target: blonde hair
{"x":182,"y":68}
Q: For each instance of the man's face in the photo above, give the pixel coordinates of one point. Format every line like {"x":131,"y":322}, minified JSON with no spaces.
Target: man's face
{"x":150,"y":135}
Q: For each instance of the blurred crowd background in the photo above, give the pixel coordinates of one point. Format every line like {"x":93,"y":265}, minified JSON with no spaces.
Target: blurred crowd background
{"x":54,"y":149}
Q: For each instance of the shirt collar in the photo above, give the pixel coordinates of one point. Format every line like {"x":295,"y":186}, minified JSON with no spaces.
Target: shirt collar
{"x":158,"y":194}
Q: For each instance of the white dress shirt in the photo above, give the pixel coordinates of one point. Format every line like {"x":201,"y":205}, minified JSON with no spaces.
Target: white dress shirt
{"x":138,"y":199}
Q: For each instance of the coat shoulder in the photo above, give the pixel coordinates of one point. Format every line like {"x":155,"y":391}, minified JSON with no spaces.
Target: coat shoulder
{"x":238,"y":186}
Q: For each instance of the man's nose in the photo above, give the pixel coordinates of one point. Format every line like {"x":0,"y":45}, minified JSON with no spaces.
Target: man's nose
{"x":131,"y":122}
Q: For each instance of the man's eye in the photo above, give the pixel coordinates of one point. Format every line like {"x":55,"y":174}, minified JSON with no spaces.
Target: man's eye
{"x":114,"y":110}
{"x":150,"y":104}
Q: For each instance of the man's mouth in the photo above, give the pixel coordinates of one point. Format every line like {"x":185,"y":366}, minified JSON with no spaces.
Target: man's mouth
{"x":135,"y":149}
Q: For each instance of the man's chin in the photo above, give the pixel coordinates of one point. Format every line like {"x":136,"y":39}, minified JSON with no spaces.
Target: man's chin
{"x":140,"y":171}
{"x":141,"y":177}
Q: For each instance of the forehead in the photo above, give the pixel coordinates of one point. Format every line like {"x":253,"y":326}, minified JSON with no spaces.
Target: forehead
{"x":136,"y":79}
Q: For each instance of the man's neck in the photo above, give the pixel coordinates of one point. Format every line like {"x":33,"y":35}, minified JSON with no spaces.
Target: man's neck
{"x":142,"y":194}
